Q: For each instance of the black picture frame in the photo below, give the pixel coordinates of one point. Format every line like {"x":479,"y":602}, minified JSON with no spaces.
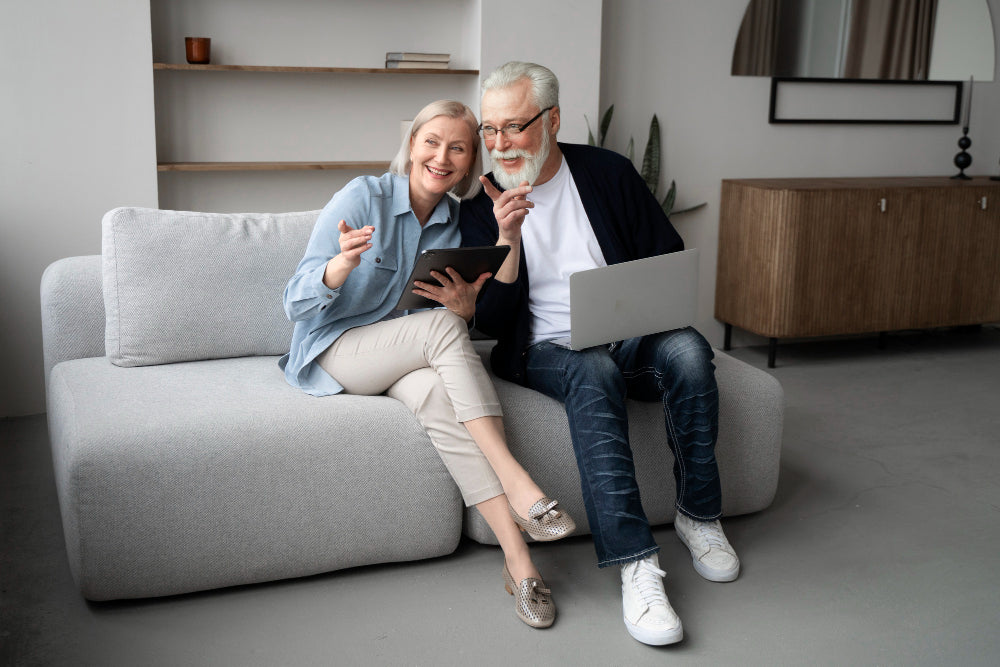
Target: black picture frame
{"x":937,"y":91}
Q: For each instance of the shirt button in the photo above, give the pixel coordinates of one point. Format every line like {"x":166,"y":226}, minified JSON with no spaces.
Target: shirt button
{"x":378,"y":260}
{"x":329,"y":296}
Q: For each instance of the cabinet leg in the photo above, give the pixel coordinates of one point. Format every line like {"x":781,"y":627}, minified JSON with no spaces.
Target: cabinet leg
{"x":727,"y":343}
{"x":772,"y":351}
{"x":883,"y":338}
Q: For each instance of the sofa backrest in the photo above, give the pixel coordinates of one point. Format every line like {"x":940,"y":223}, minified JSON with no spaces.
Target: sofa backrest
{"x":184,"y":286}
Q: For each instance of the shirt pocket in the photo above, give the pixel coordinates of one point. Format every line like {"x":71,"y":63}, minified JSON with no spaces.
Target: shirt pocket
{"x":380,"y":274}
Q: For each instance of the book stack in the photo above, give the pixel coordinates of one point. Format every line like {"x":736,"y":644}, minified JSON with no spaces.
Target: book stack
{"x":404,"y":60}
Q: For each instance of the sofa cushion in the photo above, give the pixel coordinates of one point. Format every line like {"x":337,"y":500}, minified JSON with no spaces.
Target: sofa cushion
{"x":196,"y":475}
{"x":182,"y":286}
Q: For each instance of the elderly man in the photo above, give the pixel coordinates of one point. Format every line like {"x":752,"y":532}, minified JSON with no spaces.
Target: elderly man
{"x":564,"y":208}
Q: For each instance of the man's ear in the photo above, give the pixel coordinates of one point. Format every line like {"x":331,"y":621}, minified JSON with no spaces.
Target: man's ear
{"x":554,"y":119}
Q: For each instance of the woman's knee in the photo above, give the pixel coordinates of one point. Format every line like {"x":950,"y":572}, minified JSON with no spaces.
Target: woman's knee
{"x":446,"y":326}
{"x":421,"y":391}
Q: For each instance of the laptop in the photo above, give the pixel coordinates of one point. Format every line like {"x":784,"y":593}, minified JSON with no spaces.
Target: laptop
{"x":634,"y":298}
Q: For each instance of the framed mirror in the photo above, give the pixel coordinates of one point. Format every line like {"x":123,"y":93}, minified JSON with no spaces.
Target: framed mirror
{"x":909,"y":40}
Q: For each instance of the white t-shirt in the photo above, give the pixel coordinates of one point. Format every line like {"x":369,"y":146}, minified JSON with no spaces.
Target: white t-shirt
{"x":557,"y":240}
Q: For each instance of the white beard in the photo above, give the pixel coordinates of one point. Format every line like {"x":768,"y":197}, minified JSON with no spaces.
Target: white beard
{"x":530,"y":169}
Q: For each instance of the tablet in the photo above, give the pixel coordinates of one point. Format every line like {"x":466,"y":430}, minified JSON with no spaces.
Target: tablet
{"x":469,"y":262}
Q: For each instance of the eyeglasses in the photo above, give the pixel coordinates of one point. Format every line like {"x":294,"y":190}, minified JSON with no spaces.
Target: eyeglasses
{"x":513,"y":129}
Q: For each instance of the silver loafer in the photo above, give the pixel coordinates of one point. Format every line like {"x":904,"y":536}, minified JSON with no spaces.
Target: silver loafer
{"x":545,"y":521}
{"x":532,"y":600}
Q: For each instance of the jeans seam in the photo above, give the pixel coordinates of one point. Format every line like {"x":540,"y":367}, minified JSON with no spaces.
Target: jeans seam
{"x":587,"y":477}
{"x":672,"y":443}
{"x":624,"y":560}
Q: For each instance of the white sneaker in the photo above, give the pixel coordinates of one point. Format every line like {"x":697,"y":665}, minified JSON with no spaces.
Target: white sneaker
{"x":648,"y":615}
{"x":714,"y":558}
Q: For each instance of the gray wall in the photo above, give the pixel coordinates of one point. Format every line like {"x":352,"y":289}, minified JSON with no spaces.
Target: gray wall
{"x":76,"y":139}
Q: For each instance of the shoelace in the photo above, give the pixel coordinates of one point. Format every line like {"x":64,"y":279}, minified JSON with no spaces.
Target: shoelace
{"x":646,"y":579}
{"x":710,"y":535}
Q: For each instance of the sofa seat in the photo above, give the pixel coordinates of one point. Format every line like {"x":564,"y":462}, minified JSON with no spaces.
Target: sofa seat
{"x":196,"y":475}
{"x":751,"y":415}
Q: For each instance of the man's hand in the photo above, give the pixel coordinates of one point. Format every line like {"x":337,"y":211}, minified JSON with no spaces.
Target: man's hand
{"x":453,"y":293}
{"x":509,"y":208}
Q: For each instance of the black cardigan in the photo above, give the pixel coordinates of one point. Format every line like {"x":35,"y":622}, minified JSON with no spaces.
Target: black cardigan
{"x":627,"y":220}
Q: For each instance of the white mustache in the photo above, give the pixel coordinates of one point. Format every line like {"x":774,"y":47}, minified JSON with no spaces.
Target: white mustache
{"x":510,"y":155}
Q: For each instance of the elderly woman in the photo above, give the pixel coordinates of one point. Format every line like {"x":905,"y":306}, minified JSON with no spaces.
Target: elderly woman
{"x":348,"y":338}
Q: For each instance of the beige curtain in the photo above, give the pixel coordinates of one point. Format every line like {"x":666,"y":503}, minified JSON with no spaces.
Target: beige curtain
{"x":890,"y":39}
{"x":757,"y":43}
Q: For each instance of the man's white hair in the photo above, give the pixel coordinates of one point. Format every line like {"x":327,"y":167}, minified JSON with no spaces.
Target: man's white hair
{"x":544,"y":84}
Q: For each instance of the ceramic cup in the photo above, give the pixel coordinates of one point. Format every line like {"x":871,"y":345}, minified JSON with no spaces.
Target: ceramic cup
{"x":198,"y":50}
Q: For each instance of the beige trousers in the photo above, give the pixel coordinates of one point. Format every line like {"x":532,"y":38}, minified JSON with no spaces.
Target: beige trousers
{"x":426,"y":361}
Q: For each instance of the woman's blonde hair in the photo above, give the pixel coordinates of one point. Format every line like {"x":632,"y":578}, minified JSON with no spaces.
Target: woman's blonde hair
{"x":469,"y":186}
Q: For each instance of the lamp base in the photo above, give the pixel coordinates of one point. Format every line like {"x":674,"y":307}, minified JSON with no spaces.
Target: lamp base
{"x":963,"y":159}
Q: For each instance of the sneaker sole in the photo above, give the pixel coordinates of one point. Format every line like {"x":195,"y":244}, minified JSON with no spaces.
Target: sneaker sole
{"x":653,"y":637}
{"x":720,"y":576}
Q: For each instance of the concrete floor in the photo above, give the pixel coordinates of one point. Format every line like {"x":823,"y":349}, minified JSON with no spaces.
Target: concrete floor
{"x":881,"y":548}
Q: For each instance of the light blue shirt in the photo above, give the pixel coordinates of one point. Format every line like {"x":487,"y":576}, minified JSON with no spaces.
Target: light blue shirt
{"x":372,"y":289}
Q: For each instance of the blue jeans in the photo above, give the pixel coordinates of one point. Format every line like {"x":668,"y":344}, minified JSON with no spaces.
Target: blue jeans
{"x":674,"y":367}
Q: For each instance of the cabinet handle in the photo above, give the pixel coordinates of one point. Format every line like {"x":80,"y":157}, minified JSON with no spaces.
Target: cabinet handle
{"x":881,"y":204}
{"x":982,"y":202}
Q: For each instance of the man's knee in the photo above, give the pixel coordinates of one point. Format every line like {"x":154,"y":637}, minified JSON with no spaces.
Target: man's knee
{"x":593,"y":368}
{"x":686,"y":354}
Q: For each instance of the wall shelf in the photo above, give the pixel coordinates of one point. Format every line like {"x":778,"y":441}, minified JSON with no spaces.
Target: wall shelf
{"x":282,"y":68}
{"x":280,"y":120}
{"x":269,"y":166}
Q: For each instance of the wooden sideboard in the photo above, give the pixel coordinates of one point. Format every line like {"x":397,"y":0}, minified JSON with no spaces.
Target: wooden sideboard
{"x":817,"y":257}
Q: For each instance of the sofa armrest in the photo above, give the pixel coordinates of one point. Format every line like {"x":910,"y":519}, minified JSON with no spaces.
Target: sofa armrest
{"x":72,"y":310}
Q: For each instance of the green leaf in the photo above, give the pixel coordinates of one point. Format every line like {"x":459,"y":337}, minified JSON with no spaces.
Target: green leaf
{"x":668,"y":201}
{"x":691,"y":208}
{"x":650,"y":170}
{"x":605,"y":124}
{"x":651,"y":158}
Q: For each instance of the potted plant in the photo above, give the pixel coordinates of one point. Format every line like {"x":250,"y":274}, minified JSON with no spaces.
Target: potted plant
{"x":650,"y":169}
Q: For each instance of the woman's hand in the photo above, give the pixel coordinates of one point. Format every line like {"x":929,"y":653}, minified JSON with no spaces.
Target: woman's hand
{"x":453,"y":293}
{"x":353,"y":242}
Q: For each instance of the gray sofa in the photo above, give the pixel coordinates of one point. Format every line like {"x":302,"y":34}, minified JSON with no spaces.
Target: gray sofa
{"x":184,"y":462}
